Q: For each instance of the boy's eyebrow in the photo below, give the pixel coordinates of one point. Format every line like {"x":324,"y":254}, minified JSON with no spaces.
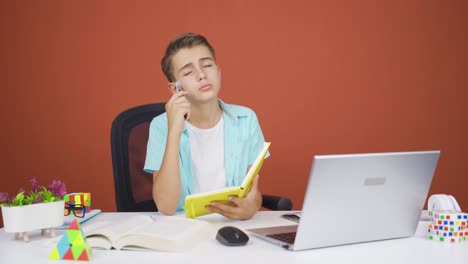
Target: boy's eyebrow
{"x":206,"y":58}
{"x":190,"y":63}
{"x":185,"y":66}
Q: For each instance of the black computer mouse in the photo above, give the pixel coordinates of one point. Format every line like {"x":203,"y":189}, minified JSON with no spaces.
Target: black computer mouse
{"x":232,"y":236}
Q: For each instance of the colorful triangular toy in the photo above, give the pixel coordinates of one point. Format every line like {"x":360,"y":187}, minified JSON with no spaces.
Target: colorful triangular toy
{"x":73,"y":245}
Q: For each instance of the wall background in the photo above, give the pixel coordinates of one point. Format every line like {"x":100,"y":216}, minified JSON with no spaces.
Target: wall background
{"x":324,"y":77}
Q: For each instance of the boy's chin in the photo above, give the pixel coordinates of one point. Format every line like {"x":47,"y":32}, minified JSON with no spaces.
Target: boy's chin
{"x":206,"y":98}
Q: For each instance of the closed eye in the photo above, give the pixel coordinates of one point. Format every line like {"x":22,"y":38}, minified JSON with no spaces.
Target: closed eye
{"x":207,"y":65}
{"x":186,"y":74}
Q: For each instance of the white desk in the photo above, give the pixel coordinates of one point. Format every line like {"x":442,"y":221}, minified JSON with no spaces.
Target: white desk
{"x":408,"y":250}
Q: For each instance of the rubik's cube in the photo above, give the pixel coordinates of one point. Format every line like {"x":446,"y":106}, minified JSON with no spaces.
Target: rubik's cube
{"x":448,"y":226}
{"x":78,"y":199}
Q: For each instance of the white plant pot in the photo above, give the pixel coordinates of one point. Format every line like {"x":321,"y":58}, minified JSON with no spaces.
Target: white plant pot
{"x":17,"y":219}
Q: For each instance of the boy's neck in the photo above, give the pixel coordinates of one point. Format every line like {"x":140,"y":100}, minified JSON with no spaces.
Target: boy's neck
{"x":205,"y":115}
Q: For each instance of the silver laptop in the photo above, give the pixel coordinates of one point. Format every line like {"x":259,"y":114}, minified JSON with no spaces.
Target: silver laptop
{"x":358,"y":198}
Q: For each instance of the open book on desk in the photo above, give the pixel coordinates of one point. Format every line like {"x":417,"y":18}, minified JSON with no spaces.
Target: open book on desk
{"x":139,"y":232}
{"x":195,"y":204}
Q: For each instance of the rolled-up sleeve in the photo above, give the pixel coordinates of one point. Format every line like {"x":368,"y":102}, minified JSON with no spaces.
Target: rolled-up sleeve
{"x":156,"y":143}
{"x":257,"y":139}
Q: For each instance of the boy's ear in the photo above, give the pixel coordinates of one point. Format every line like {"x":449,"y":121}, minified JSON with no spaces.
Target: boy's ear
{"x":172,"y":87}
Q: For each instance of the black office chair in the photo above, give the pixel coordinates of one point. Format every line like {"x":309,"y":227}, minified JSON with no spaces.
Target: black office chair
{"x":133,"y":186}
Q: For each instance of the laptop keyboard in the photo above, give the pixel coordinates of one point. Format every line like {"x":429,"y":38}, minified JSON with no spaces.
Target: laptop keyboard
{"x":285,"y":237}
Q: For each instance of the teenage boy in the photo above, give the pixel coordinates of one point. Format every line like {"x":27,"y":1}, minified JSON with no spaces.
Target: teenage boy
{"x":201,"y":143}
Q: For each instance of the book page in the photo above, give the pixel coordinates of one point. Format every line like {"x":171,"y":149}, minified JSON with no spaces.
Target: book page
{"x":170,"y":227}
{"x":254,"y":169}
{"x":115,"y":229}
{"x":99,"y":242}
{"x":215,"y":192}
{"x":167,"y":233}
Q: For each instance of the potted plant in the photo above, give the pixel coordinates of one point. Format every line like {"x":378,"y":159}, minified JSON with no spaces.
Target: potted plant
{"x":41,"y":208}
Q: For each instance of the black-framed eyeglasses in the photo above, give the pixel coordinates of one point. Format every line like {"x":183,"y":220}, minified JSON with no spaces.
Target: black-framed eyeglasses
{"x":77,"y":210}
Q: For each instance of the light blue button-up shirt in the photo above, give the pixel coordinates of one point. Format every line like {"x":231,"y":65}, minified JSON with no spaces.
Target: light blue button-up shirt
{"x":243,"y":140}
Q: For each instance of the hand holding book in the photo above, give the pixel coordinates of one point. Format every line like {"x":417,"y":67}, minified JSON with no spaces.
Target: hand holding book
{"x":195,"y":204}
{"x":240,"y":208}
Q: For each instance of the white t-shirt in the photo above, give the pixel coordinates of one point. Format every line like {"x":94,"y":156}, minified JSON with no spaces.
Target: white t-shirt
{"x":207,"y":150}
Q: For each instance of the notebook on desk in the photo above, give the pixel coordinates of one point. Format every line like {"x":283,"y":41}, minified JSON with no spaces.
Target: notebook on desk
{"x":358,"y":198}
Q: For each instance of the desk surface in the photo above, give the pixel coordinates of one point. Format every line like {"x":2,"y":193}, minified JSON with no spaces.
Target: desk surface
{"x":416,"y":249}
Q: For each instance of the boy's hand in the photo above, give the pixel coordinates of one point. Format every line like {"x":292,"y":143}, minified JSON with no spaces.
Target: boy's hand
{"x":177,"y":107}
{"x":243,"y":208}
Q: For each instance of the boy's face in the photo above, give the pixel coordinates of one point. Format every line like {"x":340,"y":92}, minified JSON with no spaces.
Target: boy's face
{"x":198,"y":73}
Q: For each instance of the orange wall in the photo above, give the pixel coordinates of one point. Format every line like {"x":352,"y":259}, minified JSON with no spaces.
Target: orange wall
{"x":323,"y":76}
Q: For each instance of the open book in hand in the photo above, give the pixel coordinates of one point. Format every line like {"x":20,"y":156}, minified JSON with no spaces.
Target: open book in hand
{"x":139,"y":232}
{"x":195,"y":204}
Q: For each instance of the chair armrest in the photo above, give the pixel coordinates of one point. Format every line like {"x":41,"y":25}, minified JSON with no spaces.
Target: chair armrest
{"x":276,"y":203}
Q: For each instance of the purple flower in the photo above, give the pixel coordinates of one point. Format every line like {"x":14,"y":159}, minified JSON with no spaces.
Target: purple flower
{"x":38,"y":194}
{"x":5,"y":197}
{"x":58,"y":188}
{"x":35,"y":185}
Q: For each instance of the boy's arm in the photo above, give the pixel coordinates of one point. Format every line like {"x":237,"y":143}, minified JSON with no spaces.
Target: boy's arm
{"x":243,"y":208}
{"x":166,"y":181}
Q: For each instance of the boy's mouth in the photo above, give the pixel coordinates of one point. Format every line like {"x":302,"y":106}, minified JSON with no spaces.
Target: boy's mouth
{"x":205,"y":87}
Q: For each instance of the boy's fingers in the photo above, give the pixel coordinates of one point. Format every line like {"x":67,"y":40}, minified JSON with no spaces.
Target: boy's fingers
{"x":230,"y":215}
{"x":236,"y":210}
{"x":235,"y":200}
{"x":177,"y":96}
{"x":224,"y":207}
{"x":180,"y":94}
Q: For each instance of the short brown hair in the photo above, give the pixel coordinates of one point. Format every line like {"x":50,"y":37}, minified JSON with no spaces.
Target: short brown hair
{"x":186,"y":40}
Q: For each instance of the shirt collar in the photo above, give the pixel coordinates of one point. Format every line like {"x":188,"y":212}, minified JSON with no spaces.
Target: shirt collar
{"x":233,"y":112}
{"x":230,"y":111}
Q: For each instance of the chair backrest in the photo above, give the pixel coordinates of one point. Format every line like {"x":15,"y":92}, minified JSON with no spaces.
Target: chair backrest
{"x":129,"y":137}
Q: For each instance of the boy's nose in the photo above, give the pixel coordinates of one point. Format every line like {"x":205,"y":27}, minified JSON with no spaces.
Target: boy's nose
{"x":201,"y":75}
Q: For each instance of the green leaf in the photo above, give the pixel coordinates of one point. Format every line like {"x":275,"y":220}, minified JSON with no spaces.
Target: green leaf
{"x":19,"y":199}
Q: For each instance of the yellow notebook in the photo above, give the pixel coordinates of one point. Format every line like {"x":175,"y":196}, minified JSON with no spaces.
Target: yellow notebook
{"x":195,"y":203}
